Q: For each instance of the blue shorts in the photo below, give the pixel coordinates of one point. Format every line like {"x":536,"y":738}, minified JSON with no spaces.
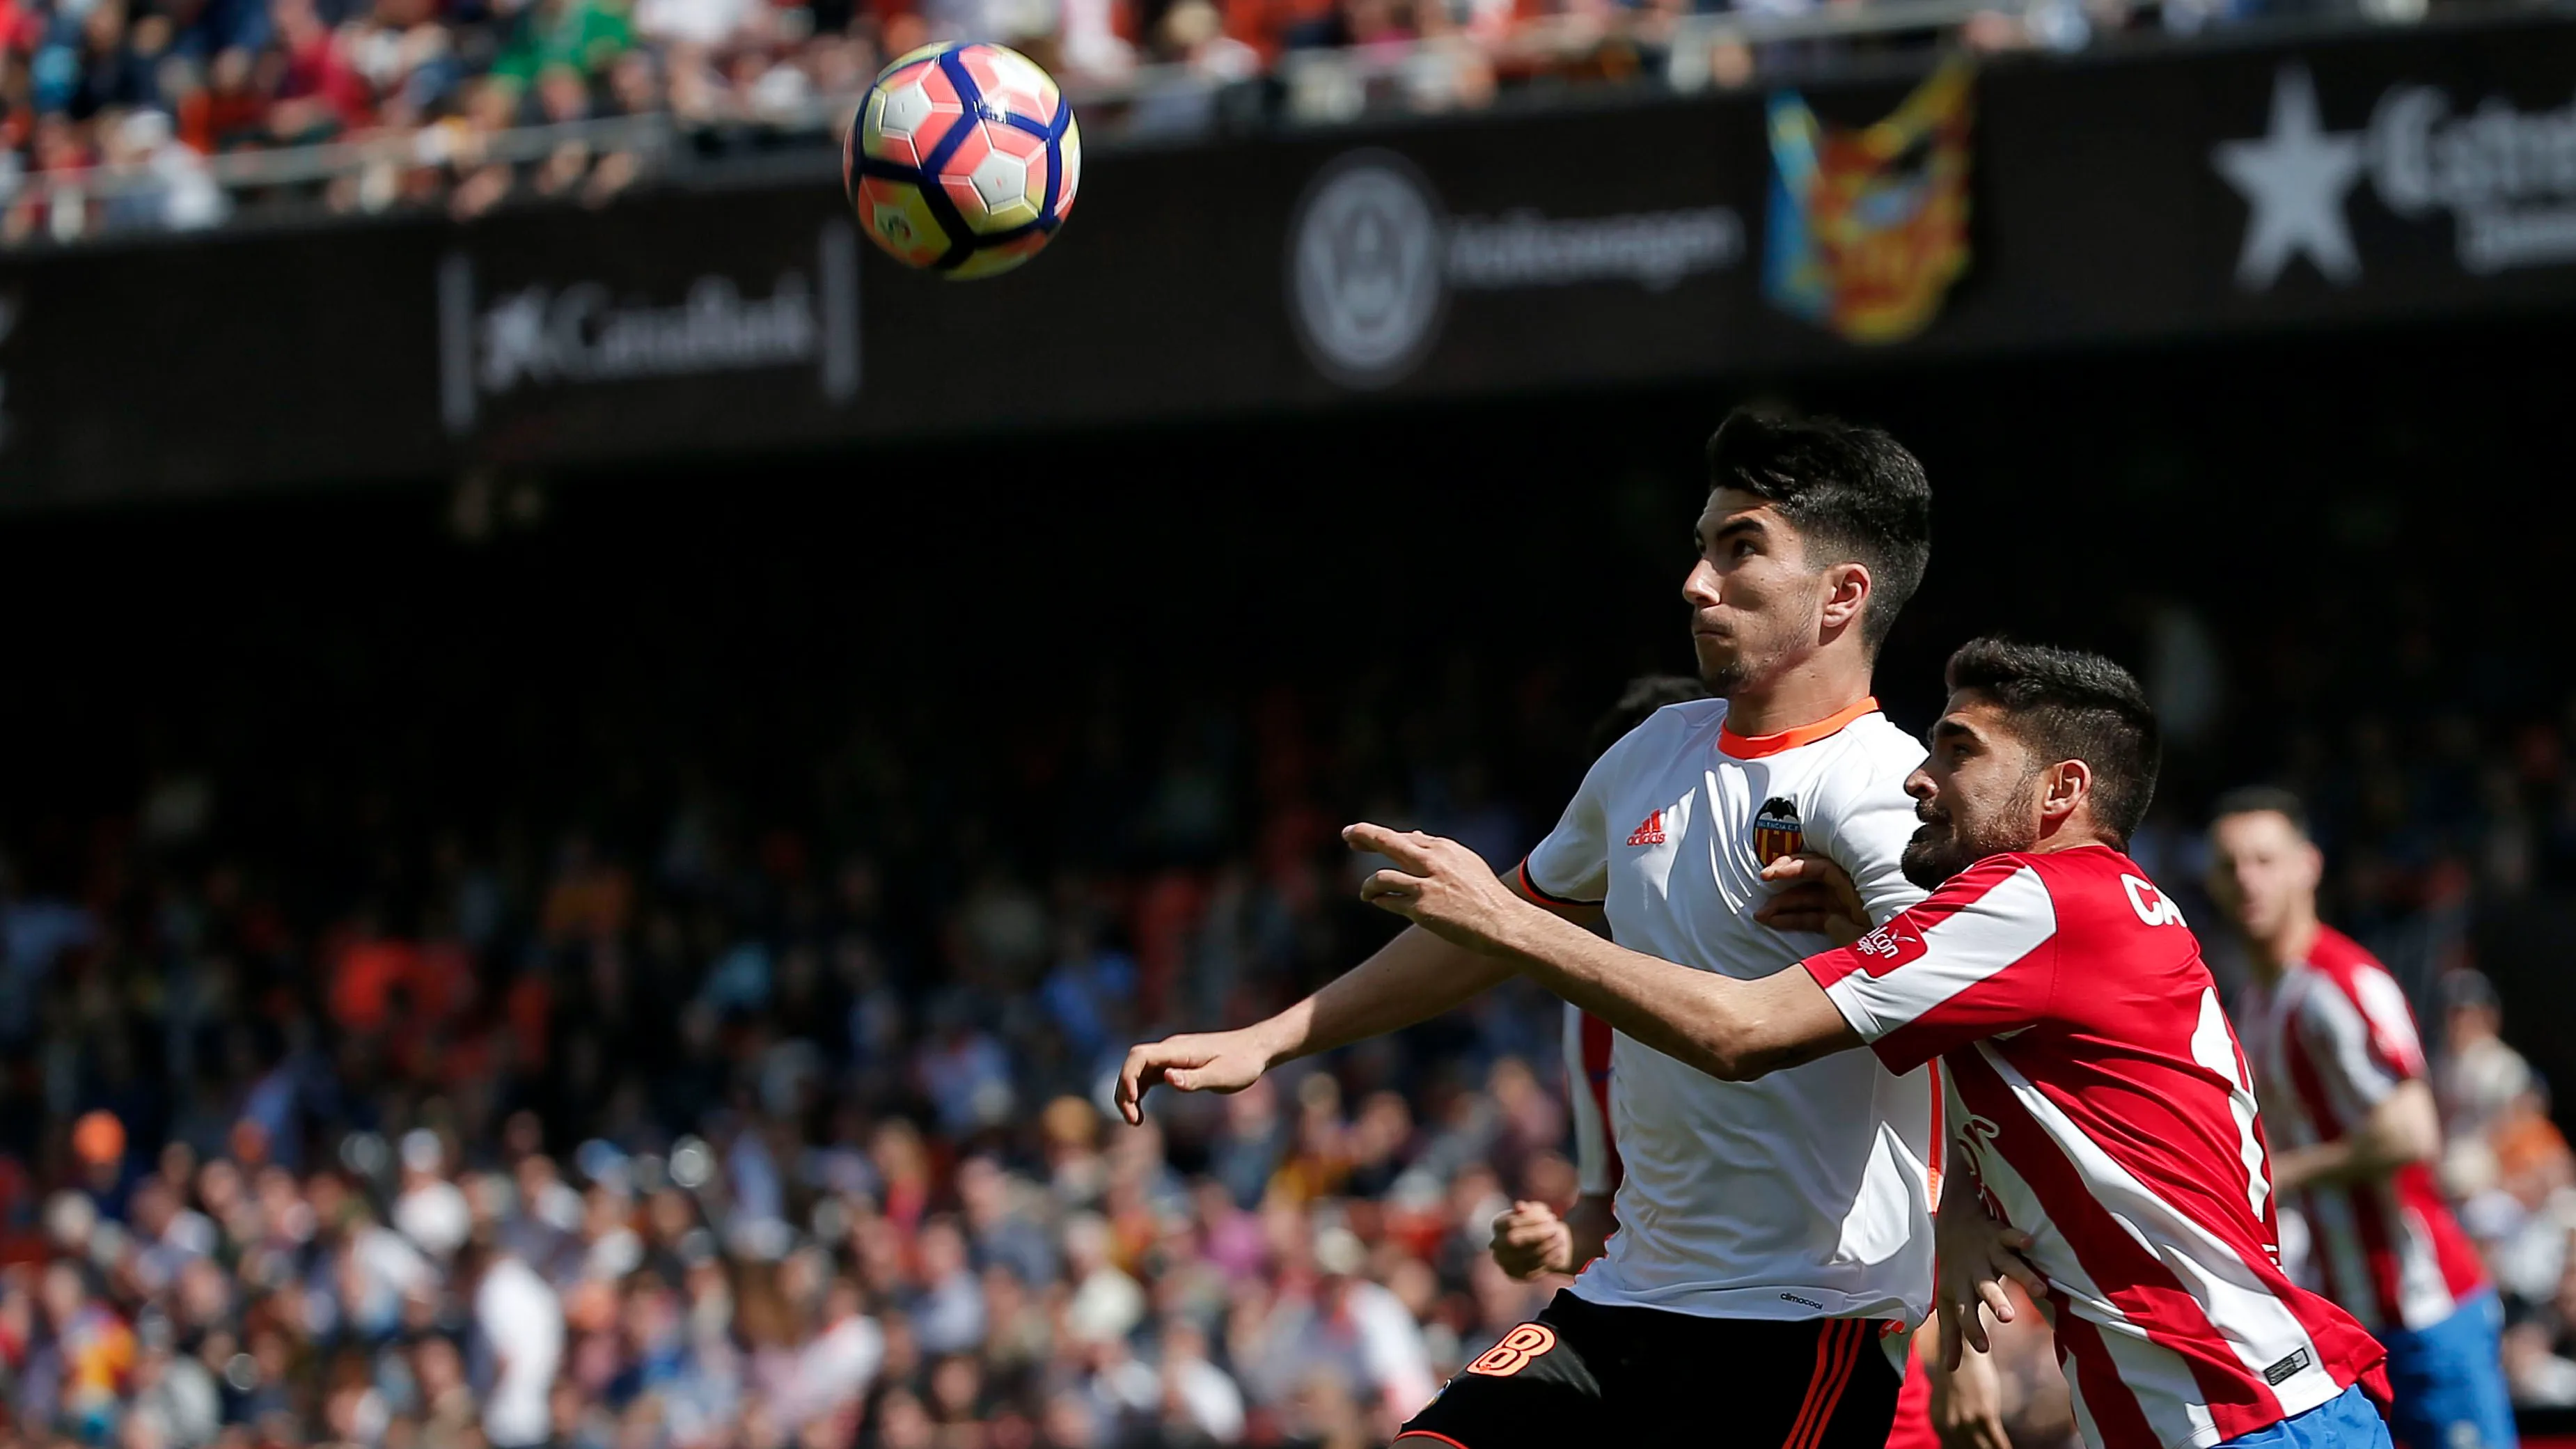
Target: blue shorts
{"x":2347,"y":1421}
{"x":2449,"y":1380}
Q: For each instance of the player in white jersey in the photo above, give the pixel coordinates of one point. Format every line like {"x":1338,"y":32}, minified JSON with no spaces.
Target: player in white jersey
{"x":1771,"y":1231}
{"x":2106,"y":1116}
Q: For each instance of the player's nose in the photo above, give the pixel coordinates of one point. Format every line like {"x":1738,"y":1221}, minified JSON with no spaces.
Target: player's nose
{"x":1699,"y":586}
{"x":1919,"y":784}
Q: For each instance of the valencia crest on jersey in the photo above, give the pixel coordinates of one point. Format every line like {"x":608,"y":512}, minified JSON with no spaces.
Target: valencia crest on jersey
{"x":1777,"y":831}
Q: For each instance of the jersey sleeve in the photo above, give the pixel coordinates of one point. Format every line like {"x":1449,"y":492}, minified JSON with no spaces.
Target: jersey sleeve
{"x":2355,"y":1030}
{"x":1587,"y":1079}
{"x":1571,"y":867}
{"x":1863,"y":828}
{"x":1977,"y":958}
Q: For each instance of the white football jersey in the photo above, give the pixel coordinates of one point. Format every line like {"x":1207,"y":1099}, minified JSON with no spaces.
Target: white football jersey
{"x":1805,"y":1194}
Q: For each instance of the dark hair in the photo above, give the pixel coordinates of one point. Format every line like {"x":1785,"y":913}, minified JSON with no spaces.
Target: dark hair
{"x":2256,"y":799}
{"x":1643,"y":696}
{"x":2070,"y":705}
{"x":1853,"y":493}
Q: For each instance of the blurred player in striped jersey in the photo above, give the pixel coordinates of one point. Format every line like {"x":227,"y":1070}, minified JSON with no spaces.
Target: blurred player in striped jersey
{"x":2355,"y":1133}
{"x":1531,"y":1238}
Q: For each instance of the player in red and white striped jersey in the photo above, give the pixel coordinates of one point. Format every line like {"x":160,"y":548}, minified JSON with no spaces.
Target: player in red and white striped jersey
{"x":2355,"y":1131}
{"x":2101,"y":1105}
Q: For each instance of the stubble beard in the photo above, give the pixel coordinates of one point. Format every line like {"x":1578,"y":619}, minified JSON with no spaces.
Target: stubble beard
{"x":1930,"y":862}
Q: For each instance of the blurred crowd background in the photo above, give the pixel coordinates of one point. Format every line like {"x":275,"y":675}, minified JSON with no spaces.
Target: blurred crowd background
{"x":600,"y":983}
{"x":113,"y":111}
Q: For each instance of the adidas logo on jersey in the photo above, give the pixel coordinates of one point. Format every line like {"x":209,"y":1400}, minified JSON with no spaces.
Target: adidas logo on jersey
{"x":1650,"y":831}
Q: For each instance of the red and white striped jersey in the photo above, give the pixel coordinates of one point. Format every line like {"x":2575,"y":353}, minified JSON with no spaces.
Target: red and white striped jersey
{"x":2330,"y":1040}
{"x":2105,"y":1109}
{"x":1587,"y":1096}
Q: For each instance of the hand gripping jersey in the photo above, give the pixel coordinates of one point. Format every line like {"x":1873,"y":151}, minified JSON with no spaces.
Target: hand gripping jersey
{"x":2106,"y":1110}
{"x":2329,"y":1041}
{"x":1801,"y":1195}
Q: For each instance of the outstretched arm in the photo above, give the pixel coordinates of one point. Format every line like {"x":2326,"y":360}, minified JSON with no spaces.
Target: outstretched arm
{"x":1733,"y":1030}
{"x":1413,"y":978}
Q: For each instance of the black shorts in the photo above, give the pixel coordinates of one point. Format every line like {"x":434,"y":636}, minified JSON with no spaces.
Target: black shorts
{"x":1582,"y":1373}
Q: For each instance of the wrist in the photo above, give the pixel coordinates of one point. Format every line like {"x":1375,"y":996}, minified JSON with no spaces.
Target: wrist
{"x":1277,"y":1039}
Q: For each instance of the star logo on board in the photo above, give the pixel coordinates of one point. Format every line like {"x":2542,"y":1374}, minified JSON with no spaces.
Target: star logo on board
{"x":2295,"y":179}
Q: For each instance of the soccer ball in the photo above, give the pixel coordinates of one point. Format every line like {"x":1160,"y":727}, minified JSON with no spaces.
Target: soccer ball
{"x":963,"y":159}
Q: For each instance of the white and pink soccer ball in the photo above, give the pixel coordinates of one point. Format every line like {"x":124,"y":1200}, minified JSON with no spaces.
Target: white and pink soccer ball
{"x":963,"y":159}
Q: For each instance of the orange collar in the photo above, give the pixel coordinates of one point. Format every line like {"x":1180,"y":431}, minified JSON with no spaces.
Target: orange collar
{"x":1754,"y":747}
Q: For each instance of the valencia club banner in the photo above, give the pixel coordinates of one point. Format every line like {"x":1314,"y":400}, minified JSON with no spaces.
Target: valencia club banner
{"x":1868,"y":227}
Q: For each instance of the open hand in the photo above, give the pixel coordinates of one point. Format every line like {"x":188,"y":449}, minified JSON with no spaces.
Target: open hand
{"x":1968,"y":1403}
{"x":1441,"y":886}
{"x":1208,"y":1061}
{"x":1975,"y":1255}
{"x":1814,"y":895}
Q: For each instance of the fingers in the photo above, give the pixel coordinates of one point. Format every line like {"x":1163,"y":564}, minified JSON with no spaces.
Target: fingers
{"x":1807,"y":866}
{"x":1791,"y":867}
{"x":1407,"y":848}
{"x":1948,"y":1338}
{"x":1391,"y":883}
{"x":1798,"y":907}
{"x":1392,"y":891}
{"x":1131,"y":1085}
{"x":1992,"y":1294}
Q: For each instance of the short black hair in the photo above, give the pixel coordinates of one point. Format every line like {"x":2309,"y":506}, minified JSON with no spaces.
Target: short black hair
{"x":1853,"y":490}
{"x":2256,"y":799}
{"x":2070,"y":705}
{"x":1643,"y":696}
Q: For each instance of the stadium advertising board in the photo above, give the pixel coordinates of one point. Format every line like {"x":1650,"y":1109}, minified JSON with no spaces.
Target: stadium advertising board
{"x":2036,"y":204}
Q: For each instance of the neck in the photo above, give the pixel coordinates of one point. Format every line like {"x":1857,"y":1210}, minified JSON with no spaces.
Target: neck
{"x":2072,"y":833}
{"x":2270,"y":954}
{"x":1817,"y":687}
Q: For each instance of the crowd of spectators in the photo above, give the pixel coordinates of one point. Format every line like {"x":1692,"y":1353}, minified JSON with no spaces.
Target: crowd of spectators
{"x":668,"y":1125}
{"x":109,"y":109}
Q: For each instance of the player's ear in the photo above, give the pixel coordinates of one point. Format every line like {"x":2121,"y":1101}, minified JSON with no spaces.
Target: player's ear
{"x":1846,"y":595}
{"x":2063,"y":789}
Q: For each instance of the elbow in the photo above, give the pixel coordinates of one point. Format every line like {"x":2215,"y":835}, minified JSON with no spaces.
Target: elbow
{"x":1729,"y":1058}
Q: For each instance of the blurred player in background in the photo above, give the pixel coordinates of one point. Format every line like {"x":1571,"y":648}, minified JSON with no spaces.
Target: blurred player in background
{"x":2355,"y":1131}
{"x":2107,"y":1117}
{"x":1771,"y":1232}
{"x":1530,"y":1238}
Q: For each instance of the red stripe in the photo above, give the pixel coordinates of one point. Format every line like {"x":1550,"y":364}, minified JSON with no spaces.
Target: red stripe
{"x":1429,"y":1434}
{"x":1834,"y":1345}
{"x":1543,"y":896}
{"x":2462,"y":1271}
{"x":2138,"y":1283}
{"x":1851,"y":1360}
{"x":2369,"y":1216}
{"x":1596,"y":1074}
{"x":2117,"y":1418}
